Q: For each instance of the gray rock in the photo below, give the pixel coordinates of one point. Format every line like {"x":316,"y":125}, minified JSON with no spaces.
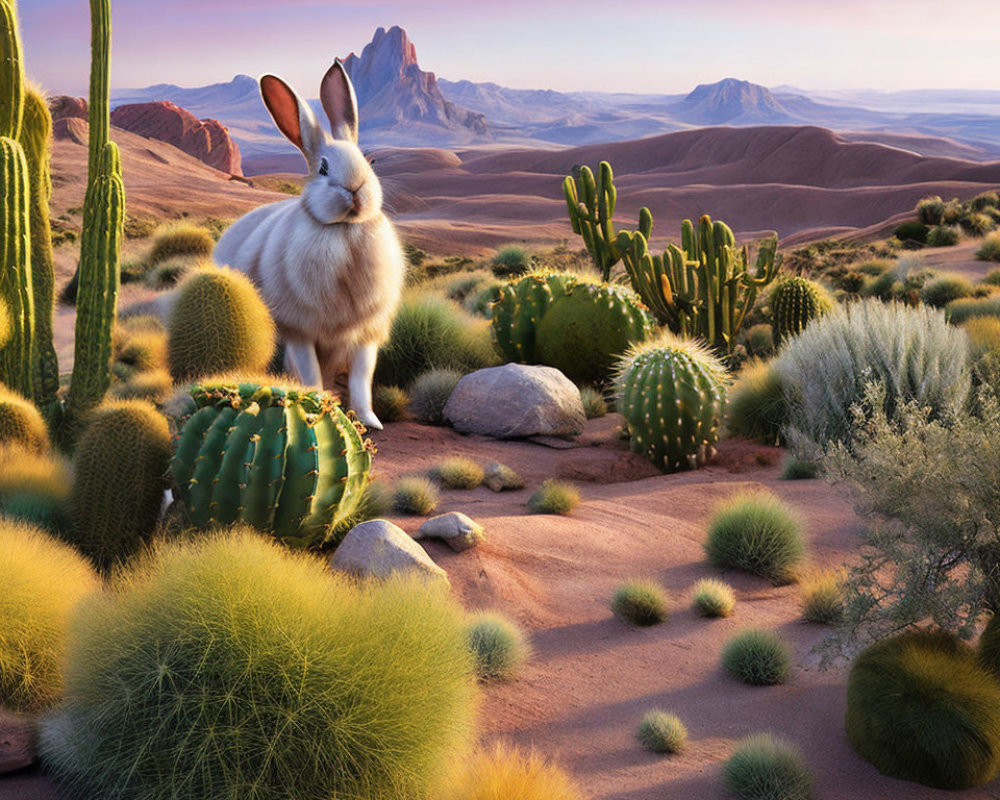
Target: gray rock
{"x":516,"y":400}
{"x":457,"y":530}
{"x":499,"y":477}
{"x":378,"y":549}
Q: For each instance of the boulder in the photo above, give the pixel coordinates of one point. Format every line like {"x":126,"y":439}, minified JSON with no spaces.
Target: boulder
{"x":457,"y":530}
{"x":499,"y":477}
{"x":516,"y":400}
{"x":378,"y":549}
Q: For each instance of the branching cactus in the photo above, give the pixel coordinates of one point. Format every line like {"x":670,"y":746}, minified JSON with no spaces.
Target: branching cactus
{"x":290,"y":462}
{"x":591,"y":204}
{"x":795,"y":302}
{"x":672,"y":393}
{"x":520,"y":307}
{"x":704,"y":288}
{"x":15,"y":212}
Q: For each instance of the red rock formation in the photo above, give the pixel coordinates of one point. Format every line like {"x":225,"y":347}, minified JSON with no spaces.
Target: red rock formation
{"x":72,"y":129}
{"x":65,"y":107}
{"x":207,"y":140}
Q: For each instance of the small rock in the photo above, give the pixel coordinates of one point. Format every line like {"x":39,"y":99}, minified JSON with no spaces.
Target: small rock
{"x":457,"y":530}
{"x":499,"y":477}
{"x":18,"y":742}
{"x":516,"y":400}
{"x":378,"y":548}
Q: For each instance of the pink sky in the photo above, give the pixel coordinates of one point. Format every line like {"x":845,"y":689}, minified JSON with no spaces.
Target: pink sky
{"x":630,"y":45}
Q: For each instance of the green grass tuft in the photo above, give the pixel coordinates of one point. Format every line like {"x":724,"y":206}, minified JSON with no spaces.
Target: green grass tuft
{"x":662,"y":732}
{"x":510,"y":261}
{"x":989,"y":250}
{"x":757,"y":657}
{"x":389,"y":403}
{"x":415,"y":495}
{"x":756,"y":406}
{"x":798,"y":469}
{"x":713,"y":598}
{"x":459,"y":472}
{"x":499,"y":647}
{"x":942,"y":289}
{"x":765,"y":767}
{"x":554,"y":497}
{"x":594,"y":404}
{"x":640,"y":603}
{"x":822,"y":596}
{"x":430,"y":392}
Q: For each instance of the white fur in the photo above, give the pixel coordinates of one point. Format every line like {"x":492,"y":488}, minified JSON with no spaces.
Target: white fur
{"x":328,"y":263}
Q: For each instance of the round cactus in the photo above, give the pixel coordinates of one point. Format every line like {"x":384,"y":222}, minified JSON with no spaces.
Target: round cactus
{"x":120,"y":467}
{"x":286,"y":461}
{"x":586,"y":328}
{"x":218,"y":324}
{"x":21,"y":423}
{"x":520,"y":307}
{"x":795,"y":302}
{"x":671,"y":392}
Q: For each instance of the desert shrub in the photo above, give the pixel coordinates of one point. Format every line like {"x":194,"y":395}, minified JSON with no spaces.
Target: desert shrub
{"x":992,"y":278}
{"x":34,"y":488}
{"x":133,"y":271}
{"x":376,"y":501}
{"x":912,"y":233}
{"x":415,"y":495}
{"x":218,"y":324}
{"x":640,"y":603}
{"x":941,"y":290}
{"x":21,"y":423}
{"x":756,"y":405}
{"x":168,"y":273}
{"x":977,"y":224}
{"x":756,"y":532}
{"x":180,"y":240}
{"x":985,"y":200}
{"x":953,"y":211}
{"x":799,"y":469}
{"x":760,"y":340}
{"x":822,"y":596}
{"x":459,"y":472}
{"x":510,"y":261}
{"x":499,"y":647}
{"x":912,"y":352}
{"x":921,"y":708}
{"x":874,"y":267}
{"x":594,"y":404}
{"x":958,"y":311}
{"x":507,"y":773}
{"x":942,"y":236}
{"x":389,"y":403}
{"x":930,"y":210}
{"x":43,"y":579}
{"x":336,"y":688}
{"x":482,"y":302}
{"x":989,"y":250}
{"x":554,"y":497}
{"x":713,"y":598}
{"x":662,"y":732}
{"x":430,"y":392}
{"x":984,"y":335}
{"x":432,"y":332}
{"x":765,"y":767}
{"x":757,"y":657}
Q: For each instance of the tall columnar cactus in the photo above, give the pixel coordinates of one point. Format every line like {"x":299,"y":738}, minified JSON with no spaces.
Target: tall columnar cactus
{"x":591,"y":206}
{"x":520,"y":307}
{"x":103,"y":221}
{"x":587,"y":327}
{"x":704,"y":288}
{"x":795,"y":302}
{"x":672,"y":393}
{"x":286,"y":461}
{"x":36,"y":139}
{"x":15,"y":213}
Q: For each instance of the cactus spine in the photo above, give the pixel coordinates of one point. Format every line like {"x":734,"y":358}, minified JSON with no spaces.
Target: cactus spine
{"x":671,"y":392}
{"x":103,"y":220}
{"x":795,"y":302}
{"x":591,"y":206}
{"x":286,"y":461}
{"x":706,"y":287}
{"x":15,"y":278}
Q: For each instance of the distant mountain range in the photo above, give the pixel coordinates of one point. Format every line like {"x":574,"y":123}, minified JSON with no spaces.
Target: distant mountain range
{"x":402,"y":105}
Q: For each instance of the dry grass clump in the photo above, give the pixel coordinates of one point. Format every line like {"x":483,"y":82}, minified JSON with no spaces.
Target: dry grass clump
{"x":713,"y":598}
{"x":640,"y":603}
{"x":180,"y":240}
{"x":459,"y":472}
{"x":415,"y":495}
{"x":822,"y":596}
{"x":662,"y":732}
{"x":766,"y":767}
{"x":554,"y":497}
{"x":757,"y":657}
{"x":500,"y":647}
{"x":507,"y":773}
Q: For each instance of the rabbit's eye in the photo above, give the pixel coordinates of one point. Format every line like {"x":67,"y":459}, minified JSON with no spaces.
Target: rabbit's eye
{"x":324,"y":166}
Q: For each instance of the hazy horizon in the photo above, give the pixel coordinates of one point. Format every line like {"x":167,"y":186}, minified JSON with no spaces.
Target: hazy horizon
{"x":653,"y":47}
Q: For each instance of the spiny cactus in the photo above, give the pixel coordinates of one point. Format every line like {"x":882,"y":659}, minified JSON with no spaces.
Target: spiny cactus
{"x":587,"y":327}
{"x":218,"y":324}
{"x":591,"y":206}
{"x":520,"y":307}
{"x":21,"y":423}
{"x":120,"y":469}
{"x":671,"y":393}
{"x":15,"y":214}
{"x":287,"y":461}
{"x":795,"y":302}
{"x":704,"y":288}
{"x":100,"y":246}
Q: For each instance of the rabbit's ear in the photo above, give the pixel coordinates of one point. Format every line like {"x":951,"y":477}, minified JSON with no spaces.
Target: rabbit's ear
{"x":337,"y":96}
{"x":293,"y":117}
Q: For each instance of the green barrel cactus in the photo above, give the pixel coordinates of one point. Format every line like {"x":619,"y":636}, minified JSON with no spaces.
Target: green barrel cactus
{"x":287,"y":461}
{"x":218,"y":324}
{"x":795,"y":302}
{"x":520,"y":307}
{"x":672,"y":393}
{"x":120,"y":469}
{"x":586,"y":328}
{"x":21,"y":424}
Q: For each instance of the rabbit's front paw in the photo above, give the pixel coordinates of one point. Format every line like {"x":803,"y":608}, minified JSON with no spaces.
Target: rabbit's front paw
{"x":369,"y":420}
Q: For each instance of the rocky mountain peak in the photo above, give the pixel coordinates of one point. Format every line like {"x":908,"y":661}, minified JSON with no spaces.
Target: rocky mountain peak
{"x":731,"y":101}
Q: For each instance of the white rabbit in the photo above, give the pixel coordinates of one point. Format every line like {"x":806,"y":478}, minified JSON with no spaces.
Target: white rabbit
{"x":328,"y":263}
